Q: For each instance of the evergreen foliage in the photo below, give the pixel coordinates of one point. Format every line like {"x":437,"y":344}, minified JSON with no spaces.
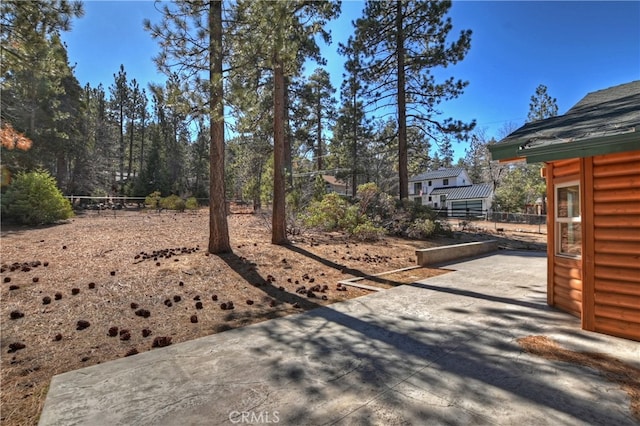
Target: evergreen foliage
{"x":173,"y":202}
{"x":191,"y":203}
{"x":153,"y":200}
{"x":372,"y":215}
{"x":400,"y":42}
{"x":33,"y":198}
{"x":542,"y":105}
{"x":275,"y":38}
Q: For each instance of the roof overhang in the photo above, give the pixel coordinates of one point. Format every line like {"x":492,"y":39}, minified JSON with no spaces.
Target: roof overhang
{"x":541,"y":151}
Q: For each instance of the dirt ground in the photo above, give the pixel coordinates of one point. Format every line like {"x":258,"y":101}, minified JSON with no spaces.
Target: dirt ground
{"x":106,"y":285}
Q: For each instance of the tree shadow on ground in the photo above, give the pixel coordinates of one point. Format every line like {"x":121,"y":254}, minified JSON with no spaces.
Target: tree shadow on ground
{"x":251,"y":276}
{"x":419,"y":368}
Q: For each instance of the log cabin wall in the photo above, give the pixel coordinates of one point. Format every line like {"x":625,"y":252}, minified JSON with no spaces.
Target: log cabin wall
{"x":611,"y":244}
{"x":564,"y":275}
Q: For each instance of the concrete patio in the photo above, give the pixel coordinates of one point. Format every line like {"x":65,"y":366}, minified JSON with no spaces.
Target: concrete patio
{"x":439,"y":352}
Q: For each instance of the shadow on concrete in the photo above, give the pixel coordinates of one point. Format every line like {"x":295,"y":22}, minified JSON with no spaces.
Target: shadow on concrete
{"x":385,"y":350}
{"x":420,"y":354}
{"x":469,"y":358}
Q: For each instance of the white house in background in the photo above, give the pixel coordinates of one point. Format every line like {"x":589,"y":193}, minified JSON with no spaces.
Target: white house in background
{"x":451,"y":191}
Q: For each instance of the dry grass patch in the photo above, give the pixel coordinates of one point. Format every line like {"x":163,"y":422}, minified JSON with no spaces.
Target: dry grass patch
{"x":616,"y":371}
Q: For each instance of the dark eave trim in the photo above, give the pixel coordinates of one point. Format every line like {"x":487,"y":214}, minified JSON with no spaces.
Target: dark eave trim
{"x":505,"y":150}
{"x":583,"y":148}
{"x":601,"y":145}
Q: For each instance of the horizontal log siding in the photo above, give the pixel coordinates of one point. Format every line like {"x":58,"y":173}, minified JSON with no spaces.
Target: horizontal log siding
{"x":567,"y":285}
{"x":566,"y":276}
{"x":616,"y":230}
{"x":566,"y":168}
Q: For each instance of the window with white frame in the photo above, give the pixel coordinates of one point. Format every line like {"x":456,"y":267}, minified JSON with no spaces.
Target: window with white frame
{"x":568,"y":220}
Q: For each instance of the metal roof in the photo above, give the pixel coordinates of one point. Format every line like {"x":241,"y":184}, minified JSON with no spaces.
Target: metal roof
{"x":480,"y":190}
{"x":438,"y":174}
{"x":602,"y":122}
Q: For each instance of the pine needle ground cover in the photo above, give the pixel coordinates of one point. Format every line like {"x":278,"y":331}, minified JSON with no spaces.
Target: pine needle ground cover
{"x":104,"y":286}
{"x":626,"y":376}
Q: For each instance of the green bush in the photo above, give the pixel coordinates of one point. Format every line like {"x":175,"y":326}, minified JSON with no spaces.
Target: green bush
{"x":173,"y":202}
{"x":351,"y":217}
{"x":421,"y":228}
{"x":34,"y":199}
{"x":326,"y":214}
{"x":334,"y":213}
{"x":153,"y":200}
{"x":367,"y":231}
{"x":191,"y":203}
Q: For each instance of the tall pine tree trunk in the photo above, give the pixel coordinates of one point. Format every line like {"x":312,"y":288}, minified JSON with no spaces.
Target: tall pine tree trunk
{"x":122,"y":145}
{"x":402,"y":108}
{"x":278,"y":220}
{"x":142,"y":140}
{"x":130,"y":168}
{"x":288,"y":158}
{"x":354,"y":153}
{"x":218,"y":230}
{"x":319,"y":133}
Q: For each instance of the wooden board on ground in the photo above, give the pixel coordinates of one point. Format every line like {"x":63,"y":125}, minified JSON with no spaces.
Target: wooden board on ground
{"x":402,"y":277}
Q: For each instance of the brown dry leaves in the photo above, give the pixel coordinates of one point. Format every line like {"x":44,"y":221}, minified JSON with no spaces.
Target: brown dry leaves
{"x":616,"y":371}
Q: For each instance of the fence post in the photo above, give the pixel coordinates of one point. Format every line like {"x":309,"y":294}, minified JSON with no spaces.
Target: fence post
{"x":539,"y":225}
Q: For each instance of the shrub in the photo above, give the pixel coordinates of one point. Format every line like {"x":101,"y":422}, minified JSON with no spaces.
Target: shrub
{"x":367,"y":231}
{"x":367,"y":194}
{"x":173,"y":202}
{"x":191,"y":203}
{"x":34,"y":199}
{"x":421,"y":228}
{"x":326,"y":214}
{"x":153,"y":200}
{"x":351,"y":218}
{"x":443,"y":228}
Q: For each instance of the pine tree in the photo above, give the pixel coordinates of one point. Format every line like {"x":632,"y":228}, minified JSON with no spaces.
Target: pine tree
{"x":318,"y":94}
{"x":133,"y":108}
{"x":542,"y":105}
{"x":40,"y":95}
{"x":119,"y":100}
{"x":352,"y":129}
{"x":278,"y":36}
{"x":191,"y":36}
{"x":445,"y":149}
{"x":418,"y":147}
{"x":402,"y":41}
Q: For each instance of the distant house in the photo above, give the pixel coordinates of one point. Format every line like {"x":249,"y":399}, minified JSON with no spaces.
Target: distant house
{"x":451,"y":191}
{"x":591,"y":159}
{"x":335,"y":185}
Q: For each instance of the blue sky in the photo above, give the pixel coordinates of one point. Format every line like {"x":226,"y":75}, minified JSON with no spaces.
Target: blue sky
{"x":572,"y":47}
